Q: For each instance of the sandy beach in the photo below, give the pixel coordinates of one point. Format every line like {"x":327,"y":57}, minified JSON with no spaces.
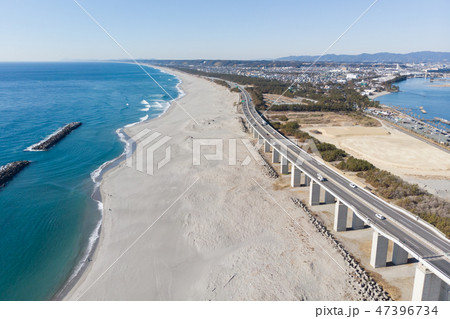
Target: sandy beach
{"x":378,"y":94}
{"x":206,"y":232}
{"x":446,"y":85}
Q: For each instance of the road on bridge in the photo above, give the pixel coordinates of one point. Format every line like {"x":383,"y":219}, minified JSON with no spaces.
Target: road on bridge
{"x":419,"y":240}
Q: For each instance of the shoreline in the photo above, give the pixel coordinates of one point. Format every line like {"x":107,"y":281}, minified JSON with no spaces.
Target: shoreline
{"x":378,"y":94}
{"x":409,"y":131}
{"x":416,"y":107}
{"x":99,"y":196}
{"x":217,"y":243}
{"x":88,"y":256}
{"x":152,"y":270}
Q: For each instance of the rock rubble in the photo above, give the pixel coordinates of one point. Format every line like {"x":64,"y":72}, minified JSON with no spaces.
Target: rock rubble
{"x":8,"y":171}
{"x":366,"y":287}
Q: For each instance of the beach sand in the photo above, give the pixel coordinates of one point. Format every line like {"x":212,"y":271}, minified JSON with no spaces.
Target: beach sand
{"x":208,"y":232}
{"x":378,"y":94}
{"x":446,"y":85}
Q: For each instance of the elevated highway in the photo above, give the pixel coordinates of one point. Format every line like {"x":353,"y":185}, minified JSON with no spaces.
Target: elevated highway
{"x":411,"y":236}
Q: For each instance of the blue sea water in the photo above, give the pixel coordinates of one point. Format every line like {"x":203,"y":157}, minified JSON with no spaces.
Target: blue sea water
{"x":47,"y":216}
{"x":421,"y":92}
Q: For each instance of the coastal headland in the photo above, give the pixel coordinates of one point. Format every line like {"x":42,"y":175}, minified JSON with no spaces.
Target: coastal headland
{"x":214,"y":231}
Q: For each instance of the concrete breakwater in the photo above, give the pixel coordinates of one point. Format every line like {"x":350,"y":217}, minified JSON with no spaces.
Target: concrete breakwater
{"x":54,"y":138}
{"x":366,"y":287}
{"x":8,"y":171}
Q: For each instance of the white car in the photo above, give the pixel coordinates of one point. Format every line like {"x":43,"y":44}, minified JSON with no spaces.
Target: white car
{"x":320,"y":177}
{"x":352,"y":185}
{"x":379,"y":216}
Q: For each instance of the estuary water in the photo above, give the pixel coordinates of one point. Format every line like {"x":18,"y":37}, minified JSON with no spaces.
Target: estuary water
{"x":433,"y":96}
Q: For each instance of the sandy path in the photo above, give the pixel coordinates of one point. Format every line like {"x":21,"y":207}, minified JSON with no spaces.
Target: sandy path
{"x":224,"y":239}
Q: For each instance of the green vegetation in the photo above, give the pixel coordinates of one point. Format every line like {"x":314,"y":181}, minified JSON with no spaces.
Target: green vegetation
{"x":329,"y":152}
{"x":344,"y":98}
{"x":257,"y":98}
{"x":308,"y":108}
{"x":222,"y":83}
{"x":390,"y":186}
{"x":276,"y":125}
{"x":355,"y":165}
{"x":333,"y":155}
{"x":338,"y":98}
{"x":397,"y":79}
{"x":290,"y":127}
{"x":283,"y":118}
{"x":430,"y":208}
{"x":302,"y":136}
{"x":389,"y":85}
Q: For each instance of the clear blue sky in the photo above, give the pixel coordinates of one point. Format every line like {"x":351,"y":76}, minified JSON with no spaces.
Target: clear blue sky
{"x":55,"y":30}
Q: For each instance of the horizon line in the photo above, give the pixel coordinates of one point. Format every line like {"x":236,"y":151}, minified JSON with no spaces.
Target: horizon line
{"x":219,"y":59}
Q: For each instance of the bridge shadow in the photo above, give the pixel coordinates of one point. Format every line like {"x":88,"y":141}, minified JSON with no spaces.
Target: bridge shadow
{"x":323,"y":203}
{"x":355,"y":229}
{"x":411,"y":260}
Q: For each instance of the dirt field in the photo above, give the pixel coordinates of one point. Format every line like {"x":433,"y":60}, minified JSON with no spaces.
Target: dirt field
{"x":271,"y":98}
{"x":326,"y":118}
{"x":410,"y":158}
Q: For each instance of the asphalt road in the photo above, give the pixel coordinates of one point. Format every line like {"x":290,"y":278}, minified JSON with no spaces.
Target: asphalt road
{"x":419,"y":240}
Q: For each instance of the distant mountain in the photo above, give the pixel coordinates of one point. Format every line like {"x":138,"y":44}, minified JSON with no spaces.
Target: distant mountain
{"x":413,"y":57}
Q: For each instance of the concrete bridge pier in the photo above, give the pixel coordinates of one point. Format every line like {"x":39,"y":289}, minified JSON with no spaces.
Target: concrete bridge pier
{"x":314,"y":194}
{"x":357,"y":223}
{"x":329,"y":199}
{"x":340,"y":216}
{"x":260,"y":140}
{"x":266,"y":147}
{"x":399,"y":255}
{"x":307,"y":180}
{"x":428,"y":286}
{"x":379,"y":250}
{"x":275,"y":156}
{"x":284,"y":165}
{"x":295,"y":176}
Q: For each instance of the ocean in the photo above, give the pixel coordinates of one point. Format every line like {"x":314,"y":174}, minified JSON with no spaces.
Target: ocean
{"x":48,"y":220}
{"x":433,"y":96}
